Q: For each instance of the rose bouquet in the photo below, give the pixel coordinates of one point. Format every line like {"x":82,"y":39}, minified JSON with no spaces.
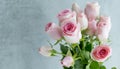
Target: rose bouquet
{"x":82,"y":36}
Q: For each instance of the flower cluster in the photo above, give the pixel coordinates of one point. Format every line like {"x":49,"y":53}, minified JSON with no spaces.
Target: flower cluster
{"x":82,"y":36}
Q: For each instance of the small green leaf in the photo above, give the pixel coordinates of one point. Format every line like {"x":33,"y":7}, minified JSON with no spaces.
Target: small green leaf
{"x":69,"y":53}
{"x":113,"y":68}
{"x":88,"y":46}
{"x":94,"y":65}
{"x":64,"y":49}
{"x":102,"y":67}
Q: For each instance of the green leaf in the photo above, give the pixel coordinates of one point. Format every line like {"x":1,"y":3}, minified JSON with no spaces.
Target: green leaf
{"x":85,"y":54}
{"x":88,"y":46}
{"x":94,"y":65}
{"x":69,"y":53}
{"x":102,"y":67}
{"x":113,"y":68}
{"x":79,"y":65}
{"x":82,"y":46}
{"x":85,"y":61}
{"x":64,"y":49}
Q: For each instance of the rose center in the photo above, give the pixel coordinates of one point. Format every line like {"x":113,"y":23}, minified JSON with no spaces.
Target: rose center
{"x":103,"y":53}
{"x":69,"y":28}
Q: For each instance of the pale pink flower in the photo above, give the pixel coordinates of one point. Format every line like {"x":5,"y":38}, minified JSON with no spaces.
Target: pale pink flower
{"x":45,"y":51}
{"x":92,"y":10}
{"x":66,"y":14}
{"x":53,"y":30}
{"x":67,"y":61}
{"x":101,"y":53}
{"x":82,"y":19}
{"x":103,"y":28}
{"x":92,"y":27}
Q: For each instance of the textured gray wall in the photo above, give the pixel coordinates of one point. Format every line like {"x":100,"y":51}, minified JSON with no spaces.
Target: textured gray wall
{"x":22,"y":31}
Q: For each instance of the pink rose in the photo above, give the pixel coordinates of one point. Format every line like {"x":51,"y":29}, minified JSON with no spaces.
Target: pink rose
{"x":67,"y":61}
{"x":101,"y":53}
{"x":92,"y":27}
{"x":71,"y":31}
{"x":45,"y":50}
{"x":53,"y":30}
{"x":103,"y":28}
{"x":66,"y":14}
{"x":92,"y":10}
{"x":81,"y":17}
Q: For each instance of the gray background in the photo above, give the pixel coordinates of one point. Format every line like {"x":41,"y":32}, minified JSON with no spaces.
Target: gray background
{"x":22,"y":31}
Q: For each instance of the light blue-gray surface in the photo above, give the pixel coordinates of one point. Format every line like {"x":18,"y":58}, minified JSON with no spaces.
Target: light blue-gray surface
{"x":22,"y":31}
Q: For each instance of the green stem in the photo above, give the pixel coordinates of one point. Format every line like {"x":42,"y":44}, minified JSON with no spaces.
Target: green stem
{"x":77,"y":58}
{"x":50,"y":44}
{"x":79,"y":47}
{"x":60,"y":53}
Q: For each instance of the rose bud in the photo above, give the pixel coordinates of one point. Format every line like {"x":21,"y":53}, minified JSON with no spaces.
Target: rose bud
{"x":101,"y":53}
{"x":45,"y":51}
{"x":71,"y":31}
{"x":67,"y":61}
{"x":103,"y":28}
{"x":92,"y":27}
{"x":81,"y":17}
{"x":53,"y":30}
{"x":66,"y":14}
{"x":92,"y":10}
{"x":76,"y":8}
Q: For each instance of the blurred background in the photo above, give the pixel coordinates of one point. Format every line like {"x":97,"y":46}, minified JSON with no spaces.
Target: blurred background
{"x":22,"y":31}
